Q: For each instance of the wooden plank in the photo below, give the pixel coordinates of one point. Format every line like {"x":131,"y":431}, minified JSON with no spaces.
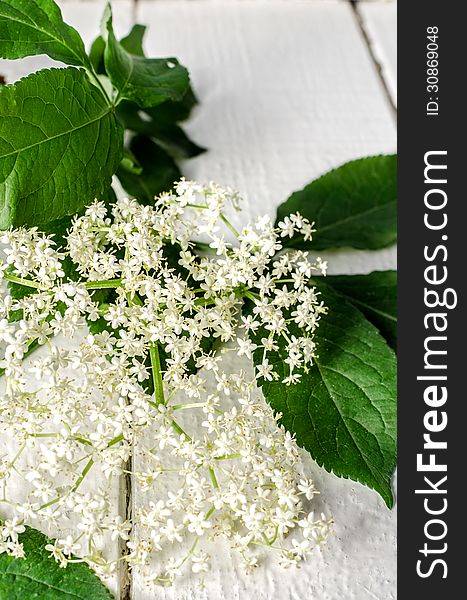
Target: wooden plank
{"x":380,"y":22}
{"x":287,"y":91}
{"x":84,"y":16}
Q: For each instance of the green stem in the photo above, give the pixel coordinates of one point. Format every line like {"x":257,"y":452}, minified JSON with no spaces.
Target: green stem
{"x":201,"y":206}
{"x":115,"y":440}
{"x":179,"y":430}
{"x":227,"y":456}
{"x":103,"y":284}
{"x":157,"y":373}
{"x":190,"y":405}
{"x":82,"y":440}
{"x":251,"y":296}
{"x":202,"y":246}
{"x":18,"y":454}
{"x":190,"y":551}
{"x":89,"y":285}
{"x":266,"y":541}
{"x":47,"y":504}
{"x":21,"y":281}
{"x":230,"y":226}
{"x":213,"y":477}
{"x":95,"y":78}
{"x":275,"y":536}
{"x":83,"y":474}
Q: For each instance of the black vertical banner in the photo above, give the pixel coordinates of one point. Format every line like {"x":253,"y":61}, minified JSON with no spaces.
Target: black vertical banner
{"x":432,"y":358}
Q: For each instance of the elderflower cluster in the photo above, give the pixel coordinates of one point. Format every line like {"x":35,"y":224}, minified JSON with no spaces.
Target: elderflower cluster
{"x":129,"y":381}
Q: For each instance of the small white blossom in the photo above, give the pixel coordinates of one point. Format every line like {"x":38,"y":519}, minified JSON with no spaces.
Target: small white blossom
{"x":84,"y":404}
{"x":12,"y":528}
{"x":199,"y":562}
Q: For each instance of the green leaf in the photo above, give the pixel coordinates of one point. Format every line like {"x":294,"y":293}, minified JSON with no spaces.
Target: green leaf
{"x":169,"y":135}
{"x":158,"y":175}
{"x":146,"y":81}
{"x":108,"y":196}
{"x":174,"y":112}
{"x":29,"y":27}
{"x":96,"y":55}
{"x":60,"y":144}
{"x":39,"y":576}
{"x":133,"y":42}
{"x":375,"y":295}
{"x":175,"y":141}
{"x":130,"y":163}
{"x":343,"y":411}
{"x":353,"y":205}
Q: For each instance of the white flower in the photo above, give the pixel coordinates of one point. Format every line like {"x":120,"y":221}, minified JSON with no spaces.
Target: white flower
{"x":199,"y":562}
{"x":307,"y":487}
{"x":57,"y":553}
{"x":266,"y":370}
{"x":245,"y":347}
{"x":68,"y":545}
{"x":12,"y":528}
{"x":83,"y":407}
{"x":15,"y":549}
{"x":197,"y":523}
{"x":119,"y":528}
{"x":171,"y":532}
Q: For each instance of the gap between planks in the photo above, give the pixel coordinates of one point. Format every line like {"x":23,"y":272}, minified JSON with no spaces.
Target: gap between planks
{"x":125,"y":510}
{"x":374,"y":59}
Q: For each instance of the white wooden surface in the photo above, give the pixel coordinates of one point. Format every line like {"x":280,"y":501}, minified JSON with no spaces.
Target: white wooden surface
{"x":380,"y":21}
{"x":288,"y":90}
